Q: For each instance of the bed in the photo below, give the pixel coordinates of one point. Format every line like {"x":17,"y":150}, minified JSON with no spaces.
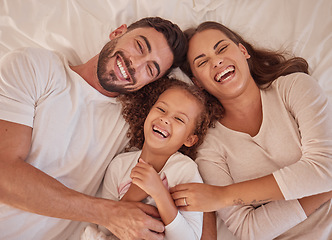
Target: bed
{"x":79,"y":28}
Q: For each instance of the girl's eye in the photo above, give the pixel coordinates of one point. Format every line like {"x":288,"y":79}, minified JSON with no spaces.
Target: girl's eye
{"x":179,"y":119}
{"x":160,"y":109}
{"x":139,"y":46}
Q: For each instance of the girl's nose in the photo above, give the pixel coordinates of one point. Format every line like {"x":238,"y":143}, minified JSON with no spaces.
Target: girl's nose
{"x":165,"y":120}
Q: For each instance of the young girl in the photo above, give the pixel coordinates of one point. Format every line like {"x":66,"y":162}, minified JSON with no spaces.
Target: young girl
{"x":168,"y":119}
{"x":268,"y":161}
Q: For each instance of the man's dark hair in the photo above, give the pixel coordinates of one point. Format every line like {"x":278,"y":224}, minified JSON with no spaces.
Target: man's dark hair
{"x":173,"y":34}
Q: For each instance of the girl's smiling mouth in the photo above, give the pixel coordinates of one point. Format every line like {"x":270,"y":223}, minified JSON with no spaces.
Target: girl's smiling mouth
{"x":160,"y":131}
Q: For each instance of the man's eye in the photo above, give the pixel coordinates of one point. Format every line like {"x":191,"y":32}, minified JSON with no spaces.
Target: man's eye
{"x":150,"y":70}
{"x":139,"y":46}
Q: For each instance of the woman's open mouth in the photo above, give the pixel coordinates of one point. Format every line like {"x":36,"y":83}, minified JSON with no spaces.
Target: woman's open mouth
{"x":225,"y":75}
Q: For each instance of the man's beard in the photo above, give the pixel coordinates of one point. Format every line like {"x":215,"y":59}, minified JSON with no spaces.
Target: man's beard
{"x":107,"y":79}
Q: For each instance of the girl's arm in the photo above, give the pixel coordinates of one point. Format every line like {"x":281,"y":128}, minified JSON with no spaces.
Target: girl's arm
{"x":147,"y":179}
{"x":134,"y":194}
{"x":179,"y":225}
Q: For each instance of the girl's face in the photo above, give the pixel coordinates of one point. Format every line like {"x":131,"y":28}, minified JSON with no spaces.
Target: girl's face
{"x":218,"y":64}
{"x":172,"y":121}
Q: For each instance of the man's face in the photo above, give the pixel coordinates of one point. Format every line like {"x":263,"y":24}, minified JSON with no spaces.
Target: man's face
{"x":133,"y":59}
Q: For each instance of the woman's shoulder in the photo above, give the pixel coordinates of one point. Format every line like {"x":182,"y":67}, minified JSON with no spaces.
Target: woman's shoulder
{"x":295,"y":84}
{"x":289,"y":80}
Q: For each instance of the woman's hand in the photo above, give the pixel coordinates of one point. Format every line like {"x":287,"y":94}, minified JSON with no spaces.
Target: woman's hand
{"x":197,"y":197}
{"x":146,"y":177}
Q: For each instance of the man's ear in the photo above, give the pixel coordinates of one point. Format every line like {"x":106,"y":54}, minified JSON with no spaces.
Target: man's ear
{"x":118,"y":32}
{"x":191,"y":140}
{"x":244,"y":51}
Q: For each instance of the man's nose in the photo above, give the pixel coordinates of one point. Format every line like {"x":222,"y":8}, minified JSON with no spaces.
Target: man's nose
{"x":137,"y":61}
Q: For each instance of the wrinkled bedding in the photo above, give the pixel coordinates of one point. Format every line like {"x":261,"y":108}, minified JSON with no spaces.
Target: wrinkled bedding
{"x":79,"y":28}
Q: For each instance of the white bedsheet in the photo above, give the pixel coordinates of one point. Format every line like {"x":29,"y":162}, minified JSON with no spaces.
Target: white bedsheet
{"x":79,"y":28}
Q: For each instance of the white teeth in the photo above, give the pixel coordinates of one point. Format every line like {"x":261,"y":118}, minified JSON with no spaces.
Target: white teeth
{"x":223,"y":73}
{"x":164,"y":133}
{"x":122,"y":70}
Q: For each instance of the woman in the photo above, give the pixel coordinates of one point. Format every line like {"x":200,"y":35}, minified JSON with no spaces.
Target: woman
{"x":268,"y":161}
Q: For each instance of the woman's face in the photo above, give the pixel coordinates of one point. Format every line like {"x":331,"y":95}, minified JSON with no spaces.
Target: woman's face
{"x":218,"y":64}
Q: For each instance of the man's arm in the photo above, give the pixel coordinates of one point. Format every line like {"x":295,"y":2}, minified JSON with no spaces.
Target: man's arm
{"x":25,"y":187}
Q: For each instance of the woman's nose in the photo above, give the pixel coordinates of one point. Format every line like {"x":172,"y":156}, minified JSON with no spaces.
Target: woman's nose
{"x":217,"y":62}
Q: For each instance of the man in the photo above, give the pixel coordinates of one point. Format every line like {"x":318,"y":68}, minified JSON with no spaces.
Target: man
{"x":60,"y":126}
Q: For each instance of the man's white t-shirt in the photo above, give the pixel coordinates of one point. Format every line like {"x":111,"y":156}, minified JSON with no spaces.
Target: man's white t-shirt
{"x":76,"y":132}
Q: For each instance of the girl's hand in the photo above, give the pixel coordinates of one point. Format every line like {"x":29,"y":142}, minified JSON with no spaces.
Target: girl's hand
{"x":197,"y":197}
{"x":146,"y":177}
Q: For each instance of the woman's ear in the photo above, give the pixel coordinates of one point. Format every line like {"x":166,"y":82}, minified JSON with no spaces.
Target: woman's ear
{"x":118,"y":32}
{"x":191,"y":140}
{"x":197,"y":83}
{"x":244,"y":51}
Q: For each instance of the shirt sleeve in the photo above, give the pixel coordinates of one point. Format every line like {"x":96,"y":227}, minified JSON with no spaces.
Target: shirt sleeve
{"x":309,"y":106}
{"x":247,"y":222}
{"x":186,"y":225}
{"x":112,"y":179}
{"x":24,"y":79}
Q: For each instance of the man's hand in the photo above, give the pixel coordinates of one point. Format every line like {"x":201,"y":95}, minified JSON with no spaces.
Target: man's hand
{"x":134,"y":220}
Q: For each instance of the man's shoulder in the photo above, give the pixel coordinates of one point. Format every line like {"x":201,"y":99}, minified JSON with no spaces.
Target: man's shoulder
{"x":31,"y":51}
{"x":32,"y":54}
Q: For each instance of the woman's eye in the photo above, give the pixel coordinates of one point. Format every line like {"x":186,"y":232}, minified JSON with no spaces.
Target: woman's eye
{"x":221,"y":49}
{"x":200,"y":64}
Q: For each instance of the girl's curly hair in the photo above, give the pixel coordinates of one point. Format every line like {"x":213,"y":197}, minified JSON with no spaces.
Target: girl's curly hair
{"x":137,"y":105}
